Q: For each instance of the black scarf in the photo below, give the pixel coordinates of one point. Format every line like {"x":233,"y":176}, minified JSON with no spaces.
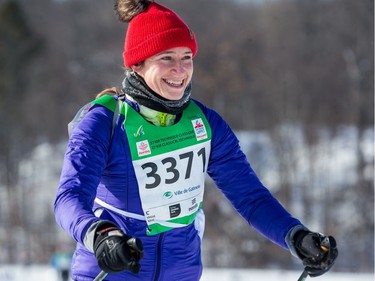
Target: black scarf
{"x":134,"y":86}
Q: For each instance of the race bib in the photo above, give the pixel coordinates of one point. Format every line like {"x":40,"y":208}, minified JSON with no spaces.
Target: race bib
{"x":170,"y":165}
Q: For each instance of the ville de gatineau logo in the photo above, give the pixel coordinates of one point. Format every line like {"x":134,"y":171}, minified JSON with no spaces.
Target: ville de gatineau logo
{"x":168,"y":194}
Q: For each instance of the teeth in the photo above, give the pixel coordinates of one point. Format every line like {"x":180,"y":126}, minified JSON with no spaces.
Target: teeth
{"x":174,"y":83}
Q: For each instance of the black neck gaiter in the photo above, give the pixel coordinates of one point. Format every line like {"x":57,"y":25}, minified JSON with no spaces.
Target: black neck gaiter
{"x":134,"y":86}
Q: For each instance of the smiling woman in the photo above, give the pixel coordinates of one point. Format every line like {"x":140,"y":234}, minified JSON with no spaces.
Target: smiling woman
{"x":131,"y":188}
{"x":168,"y":73}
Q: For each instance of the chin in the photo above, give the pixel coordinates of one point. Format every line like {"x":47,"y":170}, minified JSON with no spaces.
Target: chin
{"x":176,"y":98}
{"x":173,"y":97}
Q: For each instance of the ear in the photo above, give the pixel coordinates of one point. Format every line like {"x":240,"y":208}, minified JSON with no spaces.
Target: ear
{"x":136,"y":67}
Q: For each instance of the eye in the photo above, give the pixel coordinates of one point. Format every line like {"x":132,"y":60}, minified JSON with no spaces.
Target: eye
{"x":187,"y":57}
{"x":166,"y":58}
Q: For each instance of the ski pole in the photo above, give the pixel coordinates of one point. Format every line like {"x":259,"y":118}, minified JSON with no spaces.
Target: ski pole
{"x":303,"y":276}
{"x":102,"y":274}
{"x":325,"y":247}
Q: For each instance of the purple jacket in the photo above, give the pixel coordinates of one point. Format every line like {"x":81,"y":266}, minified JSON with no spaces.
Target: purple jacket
{"x":96,"y":167}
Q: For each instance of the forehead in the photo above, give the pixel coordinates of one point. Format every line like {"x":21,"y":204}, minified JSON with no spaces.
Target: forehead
{"x":177,"y":50}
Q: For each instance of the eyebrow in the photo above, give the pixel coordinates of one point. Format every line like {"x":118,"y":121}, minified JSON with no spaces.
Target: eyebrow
{"x":171,"y":52}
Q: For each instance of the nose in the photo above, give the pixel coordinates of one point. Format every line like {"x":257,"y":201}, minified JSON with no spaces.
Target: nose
{"x":179,"y":66}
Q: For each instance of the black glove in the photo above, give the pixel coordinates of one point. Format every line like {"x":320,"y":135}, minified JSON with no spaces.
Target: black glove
{"x":317,"y":252}
{"x":116,"y":251}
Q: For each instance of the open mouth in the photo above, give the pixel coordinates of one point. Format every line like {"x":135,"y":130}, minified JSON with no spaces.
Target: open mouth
{"x":174,"y":83}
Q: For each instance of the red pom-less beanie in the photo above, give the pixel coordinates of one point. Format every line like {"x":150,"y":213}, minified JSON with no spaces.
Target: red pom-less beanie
{"x":155,"y":30}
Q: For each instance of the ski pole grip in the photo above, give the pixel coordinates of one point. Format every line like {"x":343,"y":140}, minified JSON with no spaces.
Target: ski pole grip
{"x":135,"y":244}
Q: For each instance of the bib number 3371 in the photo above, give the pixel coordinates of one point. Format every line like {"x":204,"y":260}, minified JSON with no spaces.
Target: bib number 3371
{"x":172,"y":168}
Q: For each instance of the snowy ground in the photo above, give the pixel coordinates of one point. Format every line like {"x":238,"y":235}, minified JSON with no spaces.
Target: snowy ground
{"x":277,"y":275}
{"x":46,"y":273}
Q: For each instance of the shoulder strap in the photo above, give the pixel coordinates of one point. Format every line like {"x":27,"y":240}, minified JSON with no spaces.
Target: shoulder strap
{"x":105,"y":100}
{"x":79,"y":116}
{"x":116,"y":113}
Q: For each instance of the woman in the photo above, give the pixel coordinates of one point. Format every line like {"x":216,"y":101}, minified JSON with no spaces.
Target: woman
{"x":146,"y":179}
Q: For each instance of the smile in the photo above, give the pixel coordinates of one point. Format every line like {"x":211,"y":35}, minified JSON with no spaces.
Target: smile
{"x":174,"y":83}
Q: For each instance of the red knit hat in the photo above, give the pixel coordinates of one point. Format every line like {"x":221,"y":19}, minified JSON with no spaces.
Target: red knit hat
{"x":155,"y":30}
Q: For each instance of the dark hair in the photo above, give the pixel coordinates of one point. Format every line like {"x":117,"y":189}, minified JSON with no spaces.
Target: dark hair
{"x":127,"y":9}
{"x":111,"y":91}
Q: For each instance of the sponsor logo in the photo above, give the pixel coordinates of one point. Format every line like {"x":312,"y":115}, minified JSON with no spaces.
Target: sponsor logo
{"x":199,"y":129}
{"x":194,"y":205}
{"x":143,"y":148}
{"x":175,"y":210}
{"x":139,"y":133}
{"x":111,"y":244}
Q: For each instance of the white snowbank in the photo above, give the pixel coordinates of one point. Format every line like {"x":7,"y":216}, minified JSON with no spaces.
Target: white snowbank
{"x":277,"y":275}
{"x":47,"y":273}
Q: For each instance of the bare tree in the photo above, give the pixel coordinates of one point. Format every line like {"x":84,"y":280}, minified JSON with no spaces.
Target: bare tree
{"x":279,"y":64}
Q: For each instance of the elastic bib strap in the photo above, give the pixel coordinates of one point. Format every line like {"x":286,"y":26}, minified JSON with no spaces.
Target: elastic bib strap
{"x":118,"y":211}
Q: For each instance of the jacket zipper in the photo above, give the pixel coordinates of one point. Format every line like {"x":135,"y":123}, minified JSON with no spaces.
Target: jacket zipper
{"x":158,"y":257}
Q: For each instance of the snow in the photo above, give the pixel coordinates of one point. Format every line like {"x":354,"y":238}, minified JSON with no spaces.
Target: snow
{"x":47,"y":273}
{"x":276,"y":275}
{"x":27,"y":272}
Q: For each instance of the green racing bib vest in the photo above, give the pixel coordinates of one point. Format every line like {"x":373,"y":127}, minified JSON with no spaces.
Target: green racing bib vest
{"x":170,"y":165}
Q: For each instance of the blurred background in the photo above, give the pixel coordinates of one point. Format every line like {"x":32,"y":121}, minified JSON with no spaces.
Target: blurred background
{"x":294,"y":79}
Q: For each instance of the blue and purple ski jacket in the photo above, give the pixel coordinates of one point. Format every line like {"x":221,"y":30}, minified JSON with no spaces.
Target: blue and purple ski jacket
{"x":97,"y":167}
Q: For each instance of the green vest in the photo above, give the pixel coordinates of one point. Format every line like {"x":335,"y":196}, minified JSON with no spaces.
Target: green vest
{"x":170,"y":165}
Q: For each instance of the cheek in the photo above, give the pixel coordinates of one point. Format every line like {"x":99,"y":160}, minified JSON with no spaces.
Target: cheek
{"x":153,"y":82}
{"x":190,"y":70}
{"x":150,"y":76}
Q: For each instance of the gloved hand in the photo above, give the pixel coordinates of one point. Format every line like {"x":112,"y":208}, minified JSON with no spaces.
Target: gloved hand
{"x":116,"y":251}
{"x":317,"y":252}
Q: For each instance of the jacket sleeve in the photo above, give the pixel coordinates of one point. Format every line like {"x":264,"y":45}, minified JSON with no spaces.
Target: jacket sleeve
{"x":233,"y":175}
{"x":85,"y":159}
